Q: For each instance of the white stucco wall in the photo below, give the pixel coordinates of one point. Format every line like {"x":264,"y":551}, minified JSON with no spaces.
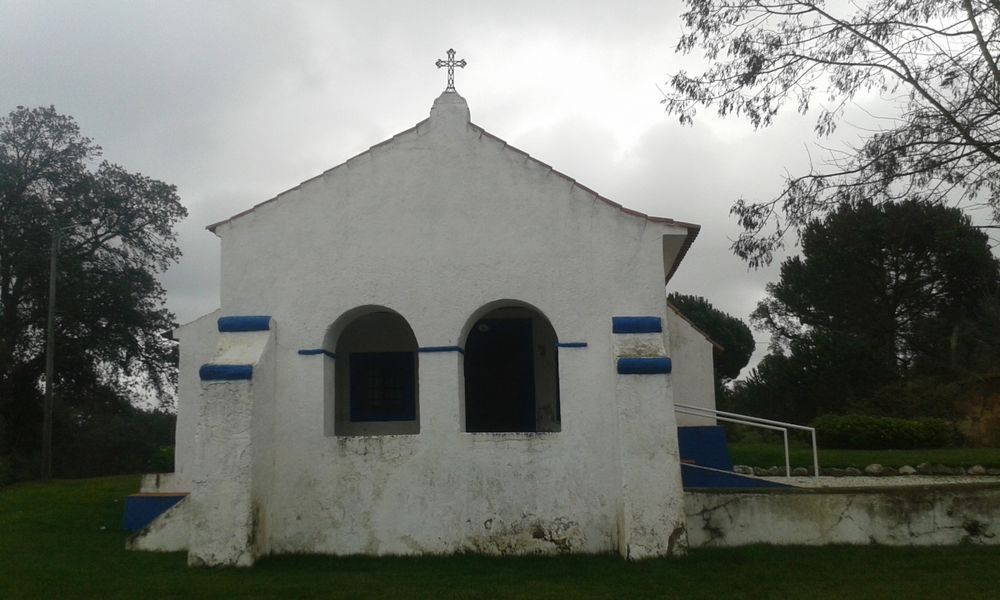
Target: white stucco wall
{"x":234,"y":455}
{"x":435,"y":224}
{"x":197,"y":342}
{"x":693,"y":378}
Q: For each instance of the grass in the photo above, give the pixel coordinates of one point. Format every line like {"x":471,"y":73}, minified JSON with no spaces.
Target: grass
{"x":764,"y":454}
{"x":61,"y":540}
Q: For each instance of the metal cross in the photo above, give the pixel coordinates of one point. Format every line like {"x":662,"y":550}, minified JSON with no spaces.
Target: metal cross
{"x":451,"y":63}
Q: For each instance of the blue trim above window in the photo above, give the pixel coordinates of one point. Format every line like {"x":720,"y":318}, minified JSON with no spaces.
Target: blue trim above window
{"x":442,"y":349}
{"x":211,"y":372}
{"x":571,"y":345}
{"x":658,"y":365}
{"x":636,"y":325}
{"x":244,"y":323}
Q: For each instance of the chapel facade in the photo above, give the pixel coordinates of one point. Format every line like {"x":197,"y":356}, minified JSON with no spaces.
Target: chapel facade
{"x":440,"y":345}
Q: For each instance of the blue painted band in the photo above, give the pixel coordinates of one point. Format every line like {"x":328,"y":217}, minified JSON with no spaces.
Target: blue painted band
{"x":636,"y":325}
{"x":659,"y":365}
{"x":315,"y":351}
{"x":442,"y":349}
{"x":245,"y":323}
{"x":225,"y":372}
{"x":572,"y":344}
{"x":141,"y":510}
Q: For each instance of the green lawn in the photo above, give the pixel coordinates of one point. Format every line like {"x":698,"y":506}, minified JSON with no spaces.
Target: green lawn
{"x":61,"y":540}
{"x":761,"y":454}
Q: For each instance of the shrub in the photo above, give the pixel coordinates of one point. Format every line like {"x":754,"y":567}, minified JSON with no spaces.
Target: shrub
{"x":6,"y":470}
{"x":915,"y":398}
{"x":130,"y":441}
{"x":879,"y":433}
{"x":163,"y":460}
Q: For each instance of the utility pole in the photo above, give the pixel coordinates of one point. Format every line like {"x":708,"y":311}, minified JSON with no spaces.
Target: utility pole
{"x":50,"y":348}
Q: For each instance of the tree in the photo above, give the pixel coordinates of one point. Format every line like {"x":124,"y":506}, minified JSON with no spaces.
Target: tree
{"x":731,"y":333}
{"x":816,"y":374}
{"x":117,"y":232}
{"x":880,"y":293}
{"x":931,"y":62}
{"x":902,"y":276}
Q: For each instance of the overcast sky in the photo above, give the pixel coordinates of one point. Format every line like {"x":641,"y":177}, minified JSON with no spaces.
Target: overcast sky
{"x":233,"y":102}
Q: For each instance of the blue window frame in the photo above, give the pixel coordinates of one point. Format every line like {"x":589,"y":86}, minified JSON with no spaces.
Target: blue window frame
{"x":383,"y":386}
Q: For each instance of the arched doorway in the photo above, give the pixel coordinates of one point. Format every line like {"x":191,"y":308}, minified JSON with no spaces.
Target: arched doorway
{"x":511,"y":369}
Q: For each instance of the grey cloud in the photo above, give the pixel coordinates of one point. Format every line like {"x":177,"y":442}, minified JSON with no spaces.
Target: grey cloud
{"x":235,"y":102}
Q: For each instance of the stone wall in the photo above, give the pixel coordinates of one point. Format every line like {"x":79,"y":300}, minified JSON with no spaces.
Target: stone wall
{"x":904,"y":516}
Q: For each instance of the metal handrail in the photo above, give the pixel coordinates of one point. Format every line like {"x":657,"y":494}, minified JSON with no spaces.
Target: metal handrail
{"x":782,"y":426}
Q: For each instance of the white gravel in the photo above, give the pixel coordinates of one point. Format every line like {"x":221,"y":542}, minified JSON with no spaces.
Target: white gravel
{"x":889,"y":481}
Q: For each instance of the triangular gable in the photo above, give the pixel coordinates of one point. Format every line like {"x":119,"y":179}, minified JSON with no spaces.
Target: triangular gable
{"x":678,"y":251}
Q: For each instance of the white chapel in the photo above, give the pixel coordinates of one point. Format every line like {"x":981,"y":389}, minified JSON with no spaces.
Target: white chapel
{"x":440,"y":345}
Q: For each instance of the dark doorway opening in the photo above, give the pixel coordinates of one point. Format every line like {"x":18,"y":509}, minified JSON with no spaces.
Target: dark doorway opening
{"x":500,"y":376}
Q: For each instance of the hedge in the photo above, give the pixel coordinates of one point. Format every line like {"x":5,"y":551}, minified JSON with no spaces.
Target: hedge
{"x":881,"y":433}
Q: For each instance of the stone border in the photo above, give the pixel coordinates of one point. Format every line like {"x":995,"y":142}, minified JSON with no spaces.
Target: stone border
{"x":872,"y":470}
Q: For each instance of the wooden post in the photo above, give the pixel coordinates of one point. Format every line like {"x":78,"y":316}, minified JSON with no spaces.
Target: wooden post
{"x":50,"y":347}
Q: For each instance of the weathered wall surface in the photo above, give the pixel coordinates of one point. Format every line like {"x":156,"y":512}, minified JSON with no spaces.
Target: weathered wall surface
{"x":905,"y":516}
{"x":434,"y":225}
{"x":197,"y":342}
{"x":233,"y":457}
{"x":651,"y":522}
{"x":693,"y":379}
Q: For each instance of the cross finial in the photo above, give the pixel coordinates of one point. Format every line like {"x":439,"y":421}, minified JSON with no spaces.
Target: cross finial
{"x":451,"y":63}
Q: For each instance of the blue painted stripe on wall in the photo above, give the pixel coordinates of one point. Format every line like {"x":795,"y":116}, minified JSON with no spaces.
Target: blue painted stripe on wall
{"x":636,"y":325}
{"x":245,"y":323}
{"x":572,"y":344}
{"x":442,"y":349}
{"x":314,"y":351}
{"x":225,"y":372}
{"x":644,"y":366}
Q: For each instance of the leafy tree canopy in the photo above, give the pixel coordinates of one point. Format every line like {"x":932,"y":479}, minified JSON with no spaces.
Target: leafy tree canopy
{"x":729,"y":332}
{"x":931,"y":62}
{"x":880,"y":293}
{"x":900,"y":276}
{"x":117,"y":234}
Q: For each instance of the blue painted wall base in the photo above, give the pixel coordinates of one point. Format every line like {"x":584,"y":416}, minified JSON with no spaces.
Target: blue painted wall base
{"x":142,"y":509}
{"x":693,"y":476}
{"x":704,"y":448}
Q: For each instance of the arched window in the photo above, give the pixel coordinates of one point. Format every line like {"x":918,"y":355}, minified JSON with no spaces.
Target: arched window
{"x":511,"y":371}
{"x":374,"y":374}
